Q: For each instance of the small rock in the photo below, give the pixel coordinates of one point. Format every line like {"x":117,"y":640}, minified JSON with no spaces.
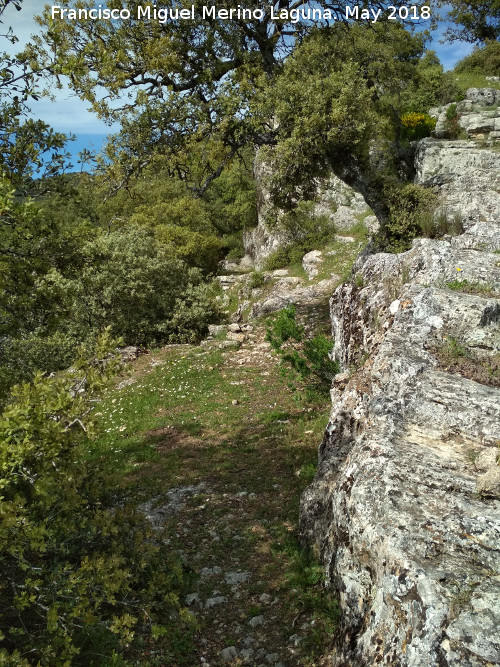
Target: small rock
{"x":238,"y":337}
{"x":129,"y":353}
{"x":235,"y":327}
{"x":271,"y":658}
{"x":344,"y":239}
{"x":192,"y":598}
{"x":210,"y":571}
{"x":265,"y":598}
{"x":246,"y":653}
{"x":215,"y":601}
{"x":295,"y":639}
{"x":310,"y":263}
{"x":256,"y":621}
{"x":249,"y":641}
{"x":236,"y":577}
{"x":394,"y":307}
{"x":235,"y":401}
{"x":214,"y":329}
{"x":489,"y":483}
{"x":486,"y":459}
{"x":228,"y":654}
{"x":229,"y":344}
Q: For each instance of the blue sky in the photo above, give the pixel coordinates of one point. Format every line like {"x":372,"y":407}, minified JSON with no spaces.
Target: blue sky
{"x":69,"y":114}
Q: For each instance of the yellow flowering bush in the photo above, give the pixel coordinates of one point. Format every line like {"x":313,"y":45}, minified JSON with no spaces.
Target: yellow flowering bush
{"x":415,"y":126}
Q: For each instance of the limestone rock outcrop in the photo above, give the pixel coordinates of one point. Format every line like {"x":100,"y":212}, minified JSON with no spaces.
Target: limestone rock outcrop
{"x":477,"y":115}
{"x":335,"y":199}
{"x":398,"y":512}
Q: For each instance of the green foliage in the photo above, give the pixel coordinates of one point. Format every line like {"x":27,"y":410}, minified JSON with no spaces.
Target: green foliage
{"x":21,"y":357}
{"x":304,"y":231}
{"x":336,"y":105}
{"x":135,"y":286}
{"x":416,"y":126}
{"x":431,"y":87}
{"x":81,"y":571}
{"x":452,"y":127}
{"x":476,"y":20}
{"x":483,"y":60}
{"x":411,"y":208}
{"x":256,"y":279}
{"x":308,"y":359}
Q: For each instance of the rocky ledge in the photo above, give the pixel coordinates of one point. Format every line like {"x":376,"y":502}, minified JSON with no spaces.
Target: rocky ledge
{"x":404,"y":509}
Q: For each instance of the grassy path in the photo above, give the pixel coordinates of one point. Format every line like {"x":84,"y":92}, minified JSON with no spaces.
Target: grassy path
{"x":215,"y":449}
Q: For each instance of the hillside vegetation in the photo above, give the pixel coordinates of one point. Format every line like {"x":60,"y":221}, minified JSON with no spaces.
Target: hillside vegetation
{"x":149,"y":510}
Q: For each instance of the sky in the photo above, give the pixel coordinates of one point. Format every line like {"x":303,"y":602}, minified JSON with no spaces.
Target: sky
{"x":69,"y":114}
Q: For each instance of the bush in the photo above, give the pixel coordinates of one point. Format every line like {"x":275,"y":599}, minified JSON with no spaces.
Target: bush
{"x":452,"y":127}
{"x":484,"y":60}
{"x":303,"y":229}
{"x":304,"y":361}
{"x":83,"y":576}
{"x":432,"y":87}
{"x":256,"y":279}
{"x":411,"y":208}
{"x":416,"y":126}
{"x":139,"y":288}
{"x":20,"y":358}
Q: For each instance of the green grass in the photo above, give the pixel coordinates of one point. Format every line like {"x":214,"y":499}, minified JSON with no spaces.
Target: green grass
{"x":469,"y":287}
{"x":172,"y":423}
{"x":474,"y":80}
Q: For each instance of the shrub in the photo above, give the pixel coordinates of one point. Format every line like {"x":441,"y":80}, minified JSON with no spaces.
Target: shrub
{"x":452,"y":127}
{"x":20,"y":358}
{"x":305,"y":361}
{"x":256,"y":279}
{"x":304,"y":231}
{"x":137,"y":287}
{"x":82,"y":574}
{"x":416,"y":126}
{"x":411,"y":207}
{"x":483,"y":60}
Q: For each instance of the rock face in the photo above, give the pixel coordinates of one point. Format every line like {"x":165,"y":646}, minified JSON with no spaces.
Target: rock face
{"x":478,"y":114}
{"x":334,"y":198}
{"x":406,"y":525}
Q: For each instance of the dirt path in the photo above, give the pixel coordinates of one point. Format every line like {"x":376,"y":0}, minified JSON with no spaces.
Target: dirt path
{"x":218,"y":451}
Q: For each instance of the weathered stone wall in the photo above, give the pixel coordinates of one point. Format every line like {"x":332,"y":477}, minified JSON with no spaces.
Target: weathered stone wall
{"x":404,"y":509}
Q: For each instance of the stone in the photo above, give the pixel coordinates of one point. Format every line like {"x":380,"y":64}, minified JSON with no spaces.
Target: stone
{"x":256,"y":621}
{"x":235,"y":578}
{"x":310,"y":263}
{"x":488,"y":485}
{"x":158,"y":509}
{"x":228,"y":654}
{"x":215,"y":329}
{"x":238,"y":337}
{"x":344,"y":217}
{"x":210,"y":571}
{"x":344,"y":239}
{"x":229,"y":344}
{"x":246,"y":653}
{"x":234,"y":327}
{"x":215,"y":601}
{"x":128,"y":354}
{"x":486,"y":459}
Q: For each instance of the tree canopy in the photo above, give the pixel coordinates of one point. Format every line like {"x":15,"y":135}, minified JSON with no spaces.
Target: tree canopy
{"x":474,"y":20}
{"x":183,"y":87}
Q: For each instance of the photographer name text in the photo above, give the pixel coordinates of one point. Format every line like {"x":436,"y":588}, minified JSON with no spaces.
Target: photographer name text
{"x":164,"y":15}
